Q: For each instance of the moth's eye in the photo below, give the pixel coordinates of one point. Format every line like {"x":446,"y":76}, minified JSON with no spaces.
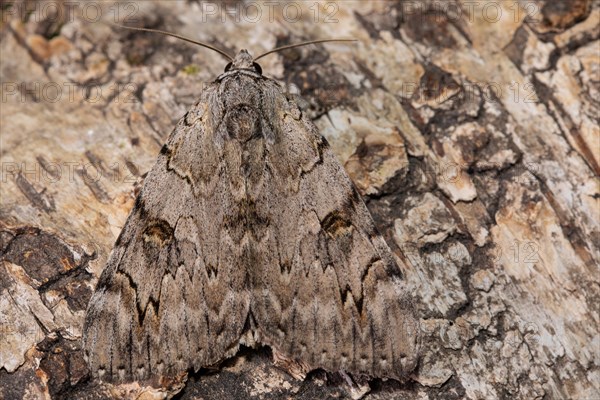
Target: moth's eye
{"x":228,"y":66}
{"x":257,"y":68}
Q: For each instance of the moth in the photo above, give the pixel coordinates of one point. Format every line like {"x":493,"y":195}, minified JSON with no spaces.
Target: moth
{"x":247,"y":230}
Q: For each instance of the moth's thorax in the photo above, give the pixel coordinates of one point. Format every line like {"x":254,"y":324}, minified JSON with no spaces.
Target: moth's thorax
{"x":242,"y":94}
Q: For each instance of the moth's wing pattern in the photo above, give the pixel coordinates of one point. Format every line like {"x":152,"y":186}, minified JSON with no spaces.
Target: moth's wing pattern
{"x":327,"y":290}
{"x":172,"y":295}
{"x":247,"y":222}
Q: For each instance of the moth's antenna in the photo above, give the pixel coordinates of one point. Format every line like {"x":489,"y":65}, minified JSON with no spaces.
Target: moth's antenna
{"x":208,"y":46}
{"x":290,"y":46}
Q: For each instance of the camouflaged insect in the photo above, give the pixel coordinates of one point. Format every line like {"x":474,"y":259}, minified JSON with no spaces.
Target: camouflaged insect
{"x":248,"y":231}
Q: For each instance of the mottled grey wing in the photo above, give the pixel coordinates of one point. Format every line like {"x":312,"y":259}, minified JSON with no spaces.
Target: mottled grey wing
{"x":326,"y":290}
{"x":172,"y":296}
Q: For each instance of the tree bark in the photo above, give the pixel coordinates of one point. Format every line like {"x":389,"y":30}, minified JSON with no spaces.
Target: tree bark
{"x":470,"y":128}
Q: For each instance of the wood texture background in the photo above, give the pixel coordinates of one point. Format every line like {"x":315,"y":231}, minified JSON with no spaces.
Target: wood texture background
{"x":471,"y":128}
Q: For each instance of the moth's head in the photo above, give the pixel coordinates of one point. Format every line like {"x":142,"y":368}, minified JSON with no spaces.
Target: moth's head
{"x":243,"y":60}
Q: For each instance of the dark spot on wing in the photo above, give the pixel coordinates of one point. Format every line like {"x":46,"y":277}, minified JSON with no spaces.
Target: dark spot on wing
{"x":158,"y":232}
{"x":336,"y":223}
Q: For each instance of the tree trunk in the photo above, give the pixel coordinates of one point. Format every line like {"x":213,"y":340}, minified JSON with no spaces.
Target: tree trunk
{"x":470,"y":128}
